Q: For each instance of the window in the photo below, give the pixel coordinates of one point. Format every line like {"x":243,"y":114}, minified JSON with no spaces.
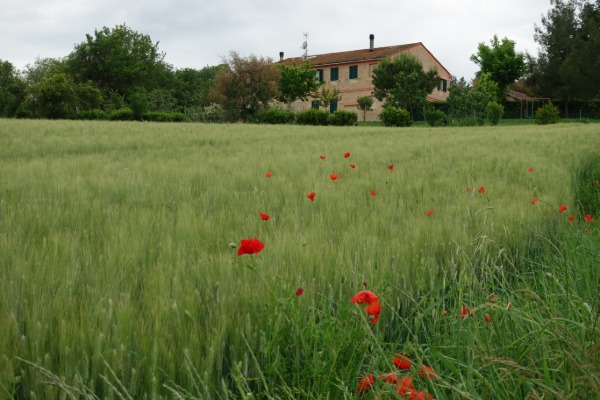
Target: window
{"x":320,"y":75}
{"x":444,"y":85}
{"x":335,"y":74}
{"x":333,"y":106}
{"x":315,"y":104}
{"x":354,"y":72}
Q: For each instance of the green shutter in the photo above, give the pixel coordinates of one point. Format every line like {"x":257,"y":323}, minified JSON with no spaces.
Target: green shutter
{"x":335,"y":74}
{"x":354,"y":72}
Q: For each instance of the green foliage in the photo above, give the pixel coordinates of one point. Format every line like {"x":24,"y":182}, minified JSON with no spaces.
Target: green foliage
{"x":466,"y":105}
{"x":436,"y":117}
{"x":12,"y":89}
{"x":343,"y":118}
{"x":329,"y":95}
{"x":296,"y":83}
{"x":312,"y":117}
{"x":587,"y":187}
{"x":365,"y":104}
{"x":494,"y":112}
{"x":392,"y":116}
{"x":54,"y":97}
{"x":245,"y":85}
{"x":274,"y":116}
{"x":501,"y":61}
{"x":94,"y":114}
{"x":403,"y":83}
{"x":193,"y":87}
{"x":547,"y":114}
{"x":123,"y":114}
{"x":139,"y":103}
{"x":157,"y":116}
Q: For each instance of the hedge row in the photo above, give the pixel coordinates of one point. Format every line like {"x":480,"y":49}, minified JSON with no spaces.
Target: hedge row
{"x":126,"y":114}
{"x":309,"y":117}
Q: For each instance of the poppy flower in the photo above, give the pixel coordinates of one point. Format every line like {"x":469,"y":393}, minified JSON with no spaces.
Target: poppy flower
{"x":264,"y":217}
{"x":402,"y":362}
{"x":427,"y":373}
{"x":373,"y":193}
{"x":365,"y":383}
{"x":429,"y":213}
{"x":390,"y":377}
{"x":562,"y":208}
{"x":571,"y":218}
{"x":352,"y":165}
{"x":250,"y":246}
{"x":530,"y":169}
{"x":333,"y":177}
{"x":299,"y":292}
{"x":347,"y":155}
{"x":588,"y":218}
{"x":422,"y":395}
{"x":364,"y":283}
{"x":533,"y":200}
{"x":481,"y":189}
{"x":268,"y":174}
{"x":322,"y":156}
{"x":464,"y":312}
{"x":364,"y":296}
{"x":488,"y":318}
{"x":469,"y":188}
{"x":405,"y":386}
{"x":391,"y":167}
{"x":311,"y":196}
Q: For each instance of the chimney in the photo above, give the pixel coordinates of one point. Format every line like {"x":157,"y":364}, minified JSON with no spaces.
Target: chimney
{"x":371,"y":42}
{"x":281,"y":56}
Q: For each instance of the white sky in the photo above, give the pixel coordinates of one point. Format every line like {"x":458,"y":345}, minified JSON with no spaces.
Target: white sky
{"x":199,"y":33}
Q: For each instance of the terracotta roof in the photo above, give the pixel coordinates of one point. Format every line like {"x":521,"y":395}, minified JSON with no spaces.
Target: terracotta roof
{"x":352,"y":56}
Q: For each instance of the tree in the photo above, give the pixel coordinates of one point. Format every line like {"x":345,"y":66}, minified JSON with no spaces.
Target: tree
{"x":12,"y":89}
{"x":501,"y":61}
{"x":328,"y":96}
{"x":296,"y":83}
{"x":119,"y":60}
{"x":193,"y":87}
{"x":365,"y":104}
{"x":245,"y":85}
{"x":403,"y":83}
{"x":468,"y":105}
{"x":569,"y":55}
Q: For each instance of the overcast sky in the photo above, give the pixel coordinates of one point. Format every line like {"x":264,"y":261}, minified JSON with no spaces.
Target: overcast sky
{"x":199,"y":33}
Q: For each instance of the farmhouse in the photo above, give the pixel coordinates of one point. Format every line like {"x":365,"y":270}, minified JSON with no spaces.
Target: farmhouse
{"x":350,"y":73}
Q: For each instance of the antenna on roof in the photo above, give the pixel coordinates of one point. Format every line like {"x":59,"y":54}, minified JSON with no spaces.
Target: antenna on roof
{"x":305,"y":46}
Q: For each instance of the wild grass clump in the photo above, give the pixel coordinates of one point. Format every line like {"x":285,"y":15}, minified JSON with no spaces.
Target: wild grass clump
{"x":120,"y":275}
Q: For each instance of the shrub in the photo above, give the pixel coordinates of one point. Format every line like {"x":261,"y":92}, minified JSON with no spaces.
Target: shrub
{"x":436,"y":118}
{"x":547,"y":115}
{"x":467,"y":121}
{"x":312,"y":117}
{"x":494,"y":112}
{"x":274,"y":116}
{"x":391,"y":116}
{"x":124,"y":114}
{"x":343,"y":118}
{"x":94,"y":114}
{"x":156,"y":116}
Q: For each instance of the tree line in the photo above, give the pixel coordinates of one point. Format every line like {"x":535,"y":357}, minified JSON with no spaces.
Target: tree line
{"x":119,"y":73}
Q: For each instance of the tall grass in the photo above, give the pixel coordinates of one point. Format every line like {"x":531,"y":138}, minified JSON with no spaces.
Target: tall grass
{"x":118,"y":278}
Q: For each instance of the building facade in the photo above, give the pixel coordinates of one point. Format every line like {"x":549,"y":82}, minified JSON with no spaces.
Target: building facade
{"x":350,"y":72}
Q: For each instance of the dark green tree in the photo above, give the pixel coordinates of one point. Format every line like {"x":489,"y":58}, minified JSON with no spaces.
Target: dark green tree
{"x":403,"y":83}
{"x":501,"y":61}
{"x":193,"y":87}
{"x":120,"y":61}
{"x":297,"y":83}
{"x":245,"y":85}
{"x":12,"y":89}
{"x":365,"y":104}
{"x":54,"y":97}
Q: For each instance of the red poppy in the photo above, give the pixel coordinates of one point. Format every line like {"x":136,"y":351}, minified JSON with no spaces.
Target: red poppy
{"x":562,"y":208}
{"x":333,"y":177}
{"x":464,"y":312}
{"x":533,"y":200}
{"x":322,"y":156}
{"x":365,"y":383}
{"x":364,"y":296}
{"x":347,"y":155}
{"x":365,"y":283}
{"x":588,"y":218}
{"x":311,"y":196}
{"x":405,"y":386}
{"x":429,"y":213}
{"x":469,"y":188}
{"x":488,"y":318}
{"x":352,"y":165}
{"x":571,"y":218}
{"x":481,"y":189}
{"x":250,"y":246}
{"x":268,"y":174}
{"x":299,"y":291}
{"x":422,"y":395}
{"x":264,"y":217}
{"x":390,"y":377}
{"x":391,"y":167}
{"x":373,"y":192}
{"x":402,"y":362}
{"x":427,"y":373}
{"x":530,"y":169}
